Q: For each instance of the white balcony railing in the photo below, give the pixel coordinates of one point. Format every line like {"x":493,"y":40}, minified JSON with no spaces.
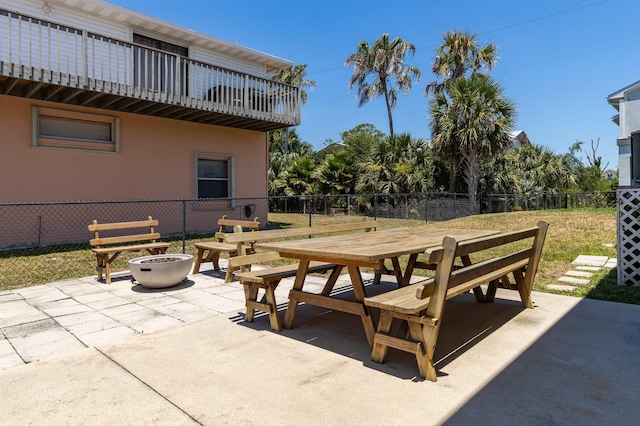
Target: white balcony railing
{"x":36,"y":50}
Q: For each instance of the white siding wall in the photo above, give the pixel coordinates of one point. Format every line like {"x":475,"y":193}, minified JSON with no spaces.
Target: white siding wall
{"x":629,"y":117}
{"x":95,"y":24}
{"x":72,"y":18}
{"x":235,"y":64}
{"x":624,"y":169}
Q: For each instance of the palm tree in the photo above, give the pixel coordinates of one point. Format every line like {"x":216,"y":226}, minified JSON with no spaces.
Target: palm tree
{"x":531,"y":169}
{"x":336,"y":175}
{"x":397,"y":165}
{"x":295,"y":76}
{"x":299,"y":177}
{"x":284,"y":147}
{"x":385,"y":62}
{"x":459,"y":55}
{"x":475,"y":117}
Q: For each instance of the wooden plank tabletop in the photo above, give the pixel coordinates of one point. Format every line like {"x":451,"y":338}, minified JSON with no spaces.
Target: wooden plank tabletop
{"x":371,"y":247}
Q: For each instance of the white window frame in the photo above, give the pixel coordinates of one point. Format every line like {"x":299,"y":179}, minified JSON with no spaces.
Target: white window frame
{"x":214,"y":202}
{"x":71,"y":143}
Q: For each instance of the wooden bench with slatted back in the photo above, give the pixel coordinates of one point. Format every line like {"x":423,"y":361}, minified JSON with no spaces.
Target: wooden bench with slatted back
{"x":210,"y":251}
{"x":107,"y":249}
{"x":421,"y":305}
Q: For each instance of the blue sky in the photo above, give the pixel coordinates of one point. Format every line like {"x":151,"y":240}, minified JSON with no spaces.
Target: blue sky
{"x":559,"y":59}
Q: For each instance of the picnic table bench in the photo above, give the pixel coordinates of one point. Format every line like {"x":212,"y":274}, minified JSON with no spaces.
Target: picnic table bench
{"x":209,"y":251}
{"x":269,"y":278}
{"x":421,"y":305}
{"x":107,"y":255}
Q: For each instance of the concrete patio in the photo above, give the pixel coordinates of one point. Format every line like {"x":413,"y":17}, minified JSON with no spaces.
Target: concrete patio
{"x":122,"y":354}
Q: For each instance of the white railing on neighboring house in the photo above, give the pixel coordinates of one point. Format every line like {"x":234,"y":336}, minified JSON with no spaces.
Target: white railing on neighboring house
{"x":46,"y":52}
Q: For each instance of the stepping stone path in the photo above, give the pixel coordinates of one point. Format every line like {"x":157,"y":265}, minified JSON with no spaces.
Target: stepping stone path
{"x":581,"y":274}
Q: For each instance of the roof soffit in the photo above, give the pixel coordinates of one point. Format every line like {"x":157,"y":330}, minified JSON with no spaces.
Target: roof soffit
{"x":619,"y":95}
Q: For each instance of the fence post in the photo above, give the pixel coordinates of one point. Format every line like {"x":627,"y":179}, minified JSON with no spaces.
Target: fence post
{"x":426,"y":207}
{"x":375,"y":206}
{"x":455,"y":205}
{"x":309,"y":204}
{"x":184,"y":226}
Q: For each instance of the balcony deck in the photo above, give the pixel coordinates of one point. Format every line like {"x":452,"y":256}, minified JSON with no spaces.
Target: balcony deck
{"x":47,"y":61}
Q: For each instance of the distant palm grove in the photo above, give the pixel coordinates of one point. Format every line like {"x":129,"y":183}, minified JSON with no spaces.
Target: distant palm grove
{"x":471,"y":149}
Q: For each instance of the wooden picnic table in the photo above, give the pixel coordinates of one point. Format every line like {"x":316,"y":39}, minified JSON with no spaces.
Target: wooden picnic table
{"x":355,"y":251}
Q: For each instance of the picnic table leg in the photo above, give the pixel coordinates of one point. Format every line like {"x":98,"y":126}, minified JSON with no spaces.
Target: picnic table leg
{"x":199,"y":260}
{"x":251,"y":296}
{"x":381,"y":269}
{"x":377,"y":276}
{"x":107,"y":273}
{"x":359,"y":293}
{"x":270,"y":297}
{"x":379,"y":350}
{"x":477,"y":291}
{"x":214,"y":258}
{"x":397,"y":271}
{"x":426,"y":335}
{"x":101,"y":258}
{"x":404,"y":280}
{"x":491,"y":290}
{"x":335,"y":273}
{"x":525,"y":294}
{"x":292,"y":307}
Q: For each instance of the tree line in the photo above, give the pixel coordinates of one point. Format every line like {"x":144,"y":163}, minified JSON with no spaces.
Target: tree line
{"x":471,"y":120}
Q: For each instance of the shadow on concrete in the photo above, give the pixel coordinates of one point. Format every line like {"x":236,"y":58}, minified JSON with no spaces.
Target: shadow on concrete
{"x":584,"y":370}
{"x":465,"y":323}
{"x":139,"y":288}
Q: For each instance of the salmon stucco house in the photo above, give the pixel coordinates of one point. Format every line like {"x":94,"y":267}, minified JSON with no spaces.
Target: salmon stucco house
{"x":99,"y":102}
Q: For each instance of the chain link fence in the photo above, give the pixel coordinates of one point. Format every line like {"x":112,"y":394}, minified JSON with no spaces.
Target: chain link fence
{"x":44,"y":242}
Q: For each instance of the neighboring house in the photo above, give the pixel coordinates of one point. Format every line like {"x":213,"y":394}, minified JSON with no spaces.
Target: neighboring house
{"x":519,"y":138}
{"x":610,"y":175}
{"x":627,"y":102}
{"x":99,"y":102}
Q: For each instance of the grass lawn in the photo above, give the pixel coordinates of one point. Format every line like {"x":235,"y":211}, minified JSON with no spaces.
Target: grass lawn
{"x":571,"y":233}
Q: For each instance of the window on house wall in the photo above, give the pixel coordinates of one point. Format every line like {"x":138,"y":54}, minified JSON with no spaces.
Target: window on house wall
{"x":53,"y":128}
{"x":213,"y":176}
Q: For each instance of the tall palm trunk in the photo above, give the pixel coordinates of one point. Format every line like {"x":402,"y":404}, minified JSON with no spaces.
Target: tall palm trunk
{"x":453,"y":171}
{"x":472,"y":173}
{"x":388,"y":102}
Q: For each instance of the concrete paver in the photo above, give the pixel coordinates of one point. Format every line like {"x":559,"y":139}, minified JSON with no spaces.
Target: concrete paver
{"x":573,"y":280}
{"x":108,"y":336}
{"x":9,"y":358}
{"x":122,"y":354}
{"x":579,"y":274}
{"x":611,"y":263}
{"x":561,"y":287}
{"x":588,"y":268}
{"x":591,"y":260}
{"x":40,"y":321}
{"x":225,"y":371}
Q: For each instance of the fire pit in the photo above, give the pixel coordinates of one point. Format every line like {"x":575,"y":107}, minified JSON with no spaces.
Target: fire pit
{"x":161,"y":270}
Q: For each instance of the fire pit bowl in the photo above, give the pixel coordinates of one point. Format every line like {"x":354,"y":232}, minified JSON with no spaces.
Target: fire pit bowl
{"x":161,"y":270}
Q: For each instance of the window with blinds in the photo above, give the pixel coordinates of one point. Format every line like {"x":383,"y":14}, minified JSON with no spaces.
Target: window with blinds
{"x":53,"y":128}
